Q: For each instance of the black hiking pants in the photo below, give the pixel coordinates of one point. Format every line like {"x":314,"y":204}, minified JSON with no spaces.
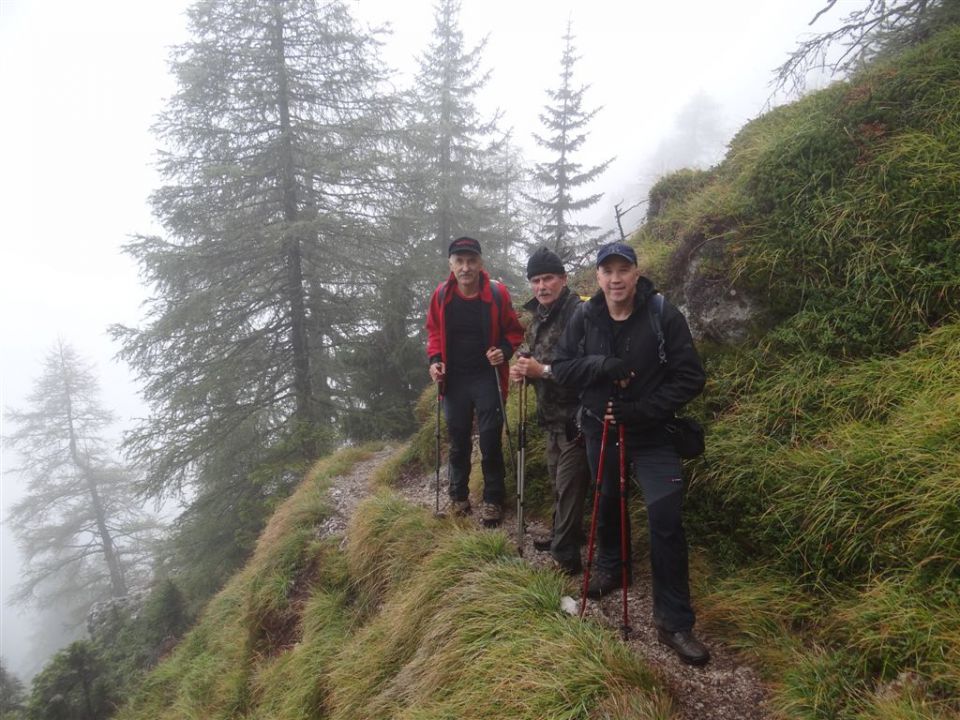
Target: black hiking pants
{"x":466,"y":395}
{"x":658,"y":473}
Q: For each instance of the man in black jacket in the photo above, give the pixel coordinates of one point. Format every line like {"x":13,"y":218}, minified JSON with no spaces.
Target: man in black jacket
{"x":551,"y":308}
{"x":628,"y":374}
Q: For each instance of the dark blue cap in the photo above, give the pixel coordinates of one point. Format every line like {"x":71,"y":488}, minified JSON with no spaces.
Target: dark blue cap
{"x":617,"y":248}
{"x":464,"y":244}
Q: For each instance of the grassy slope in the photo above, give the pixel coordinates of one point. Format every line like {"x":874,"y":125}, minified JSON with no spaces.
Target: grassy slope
{"x":829,"y":496}
{"x":831,"y":488}
{"x":419,"y":618}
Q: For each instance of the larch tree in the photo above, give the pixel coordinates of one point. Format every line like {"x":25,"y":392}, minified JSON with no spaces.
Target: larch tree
{"x":79,"y":524}
{"x":873,"y":29}
{"x":565,"y":121}
{"x":271,"y":170}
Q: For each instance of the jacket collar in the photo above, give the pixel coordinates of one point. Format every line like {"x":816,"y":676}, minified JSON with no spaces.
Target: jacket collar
{"x":486,"y":295}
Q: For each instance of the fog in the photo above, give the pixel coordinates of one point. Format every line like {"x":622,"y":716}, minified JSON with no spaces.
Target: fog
{"x":82,"y":82}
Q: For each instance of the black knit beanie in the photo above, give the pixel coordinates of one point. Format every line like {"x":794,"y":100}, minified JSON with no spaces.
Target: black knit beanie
{"x":544,"y":261}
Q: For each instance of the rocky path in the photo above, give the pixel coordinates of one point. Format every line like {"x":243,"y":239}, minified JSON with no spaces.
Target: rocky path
{"x":348,"y":491}
{"x":726,"y":689}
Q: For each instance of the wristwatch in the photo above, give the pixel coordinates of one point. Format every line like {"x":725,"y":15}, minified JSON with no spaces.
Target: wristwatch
{"x":547,"y":372}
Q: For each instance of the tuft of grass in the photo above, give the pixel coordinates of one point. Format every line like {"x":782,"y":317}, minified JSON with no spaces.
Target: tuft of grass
{"x":903,"y":700}
{"x":903,"y":626}
{"x":256,"y":617}
{"x":848,"y":471}
{"x":632,"y":704}
{"x":207,"y":674}
{"x":295,"y":684}
{"x":388,"y":538}
{"x":760,"y":612}
{"x":818,"y":683}
{"x":473,"y":633}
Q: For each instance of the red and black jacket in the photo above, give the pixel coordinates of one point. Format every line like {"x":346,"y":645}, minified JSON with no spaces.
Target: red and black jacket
{"x":501,"y":325}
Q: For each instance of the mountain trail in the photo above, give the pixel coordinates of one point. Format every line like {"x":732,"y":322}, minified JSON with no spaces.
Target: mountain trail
{"x":725,"y":689}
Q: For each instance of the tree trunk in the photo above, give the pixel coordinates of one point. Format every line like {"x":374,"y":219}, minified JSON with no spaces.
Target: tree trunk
{"x":293,"y":259}
{"x":118,"y":586}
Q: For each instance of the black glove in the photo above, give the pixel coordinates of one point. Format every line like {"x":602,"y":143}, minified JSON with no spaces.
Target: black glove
{"x":626,"y":411}
{"x":615,"y":369}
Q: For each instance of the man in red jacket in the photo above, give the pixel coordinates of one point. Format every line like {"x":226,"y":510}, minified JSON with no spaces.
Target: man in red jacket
{"x":472,"y":331}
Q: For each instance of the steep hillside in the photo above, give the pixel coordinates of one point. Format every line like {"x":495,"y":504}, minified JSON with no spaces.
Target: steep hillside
{"x":820,"y":263}
{"x":413,"y":617}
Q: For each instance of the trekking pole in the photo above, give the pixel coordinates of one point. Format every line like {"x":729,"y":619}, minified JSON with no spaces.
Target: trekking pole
{"x":593,"y":518}
{"x":437,"y":512}
{"x":625,"y":626}
{"x":506,"y":425}
{"x":521,"y":459}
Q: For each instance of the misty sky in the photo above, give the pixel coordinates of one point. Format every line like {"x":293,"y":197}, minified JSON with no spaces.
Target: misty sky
{"x":82,"y":82}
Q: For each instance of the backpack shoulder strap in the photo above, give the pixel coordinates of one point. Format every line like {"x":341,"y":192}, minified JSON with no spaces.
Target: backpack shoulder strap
{"x":656,"y":310}
{"x":497,"y":294}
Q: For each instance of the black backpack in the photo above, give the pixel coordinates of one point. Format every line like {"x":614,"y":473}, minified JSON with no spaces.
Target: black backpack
{"x":687,"y":434}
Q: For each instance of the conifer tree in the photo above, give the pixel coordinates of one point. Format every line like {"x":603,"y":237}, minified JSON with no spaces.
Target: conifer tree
{"x":270,"y":168}
{"x":455,"y":152}
{"x":79,"y":524}
{"x":12,"y":693}
{"x":74,"y":685}
{"x":565,"y":120}
{"x":871,"y":29}
{"x":447,"y":177}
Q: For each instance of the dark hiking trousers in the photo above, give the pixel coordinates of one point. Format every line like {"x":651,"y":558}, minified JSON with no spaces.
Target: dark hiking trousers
{"x":466,"y":395}
{"x":658,"y":473}
{"x":567,"y":468}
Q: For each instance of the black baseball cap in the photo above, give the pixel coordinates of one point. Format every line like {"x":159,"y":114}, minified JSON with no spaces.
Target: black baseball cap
{"x":620,"y":250}
{"x":464,"y":244}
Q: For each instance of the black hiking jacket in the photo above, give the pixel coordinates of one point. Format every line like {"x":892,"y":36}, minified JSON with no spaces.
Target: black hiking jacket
{"x":662,"y":389}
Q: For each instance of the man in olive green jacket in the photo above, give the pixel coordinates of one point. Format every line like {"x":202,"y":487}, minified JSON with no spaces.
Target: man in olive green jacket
{"x":551,"y":307}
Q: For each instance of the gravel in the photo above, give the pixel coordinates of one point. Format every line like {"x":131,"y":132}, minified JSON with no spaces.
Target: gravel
{"x":727,"y":688}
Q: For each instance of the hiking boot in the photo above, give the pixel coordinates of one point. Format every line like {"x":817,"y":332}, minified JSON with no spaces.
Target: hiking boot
{"x":685,"y":644}
{"x":491,"y":514}
{"x":568,"y":566}
{"x":459,"y":508}
{"x":602,"y":583}
{"x":543,"y":544}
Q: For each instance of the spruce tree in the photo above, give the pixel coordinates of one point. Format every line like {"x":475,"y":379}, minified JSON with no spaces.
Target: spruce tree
{"x":12,"y":694}
{"x":455,"y":152}
{"x":271,"y":169}
{"x":75,"y":684}
{"x":79,"y":524}
{"x":447,"y":177}
{"x":565,"y":120}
